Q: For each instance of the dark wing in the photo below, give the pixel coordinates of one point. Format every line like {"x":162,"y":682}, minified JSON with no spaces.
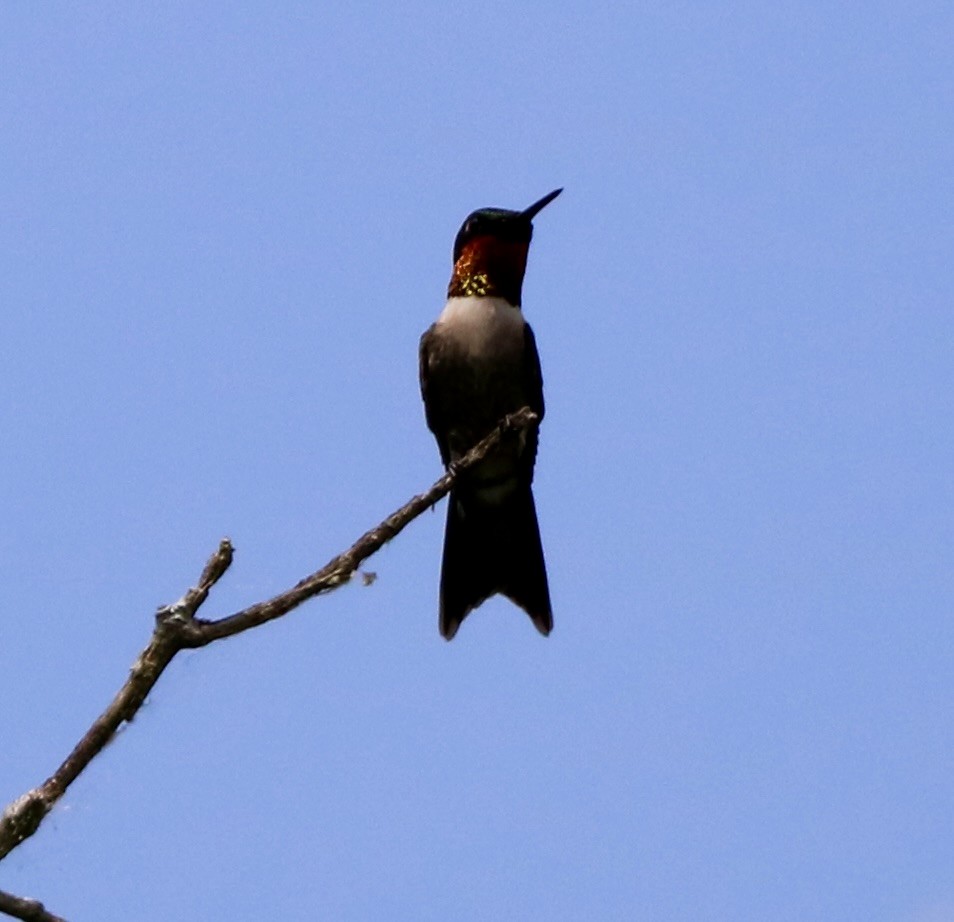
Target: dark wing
{"x":426,"y":373}
{"x":533,"y":383}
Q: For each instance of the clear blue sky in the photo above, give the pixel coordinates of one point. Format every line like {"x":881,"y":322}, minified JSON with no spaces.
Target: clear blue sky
{"x":223,"y":229}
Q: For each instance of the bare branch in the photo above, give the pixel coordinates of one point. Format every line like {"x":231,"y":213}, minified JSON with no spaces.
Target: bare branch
{"x":28,"y":910}
{"x":214,"y":570}
{"x":177,"y":629}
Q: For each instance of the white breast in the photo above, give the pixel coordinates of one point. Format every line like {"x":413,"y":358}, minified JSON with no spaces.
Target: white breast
{"x":482,"y":326}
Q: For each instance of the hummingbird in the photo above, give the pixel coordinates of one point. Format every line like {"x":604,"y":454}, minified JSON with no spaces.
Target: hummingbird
{"x":479,"y":362}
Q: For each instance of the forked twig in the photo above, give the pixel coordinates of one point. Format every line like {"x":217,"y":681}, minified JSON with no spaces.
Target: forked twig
{"x":177,"y":628}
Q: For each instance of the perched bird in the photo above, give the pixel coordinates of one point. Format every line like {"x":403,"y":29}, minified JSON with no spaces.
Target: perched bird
{"x":478,"y":363}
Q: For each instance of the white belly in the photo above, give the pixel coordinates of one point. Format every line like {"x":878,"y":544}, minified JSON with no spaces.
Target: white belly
{"x":482,"y":327}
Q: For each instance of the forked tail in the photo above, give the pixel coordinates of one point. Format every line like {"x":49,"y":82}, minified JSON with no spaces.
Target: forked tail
{"x":490,"y":549}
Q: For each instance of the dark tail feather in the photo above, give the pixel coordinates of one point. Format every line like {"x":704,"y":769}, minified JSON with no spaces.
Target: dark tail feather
{"x":491,"y":549}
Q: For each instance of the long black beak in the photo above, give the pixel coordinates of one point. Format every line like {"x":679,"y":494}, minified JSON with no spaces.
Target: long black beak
{"x":536,"y":207}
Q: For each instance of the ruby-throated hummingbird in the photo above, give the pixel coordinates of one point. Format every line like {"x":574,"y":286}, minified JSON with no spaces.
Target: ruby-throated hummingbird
{"x":478,"y":363}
